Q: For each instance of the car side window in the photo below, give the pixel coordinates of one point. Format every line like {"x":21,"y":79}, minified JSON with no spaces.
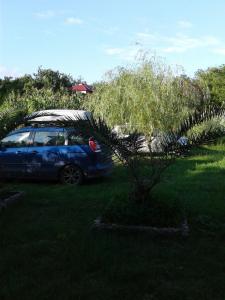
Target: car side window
{"x":20,"y":139}
{"x":48,"y":138}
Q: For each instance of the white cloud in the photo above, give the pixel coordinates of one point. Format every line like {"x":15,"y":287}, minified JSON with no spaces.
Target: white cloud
{"x":184,"y":24}
{"x":183,"y":43}
{"x":114,"y":51}
{"x":110,"y":30}
{"x":146,"y":38}
{"x":211,"y":41}
{"x":74,"y":21}
{"x":174,"y":49}
{"x":45,"y":14}
{"x":220,"y":51}
{"x":126,"y":53}
{"x":4,"y":71}
{"x":174,"y":44}
{"x":179,"y":43}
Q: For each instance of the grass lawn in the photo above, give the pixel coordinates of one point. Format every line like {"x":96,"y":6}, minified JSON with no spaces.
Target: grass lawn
{"x":48,"y":251}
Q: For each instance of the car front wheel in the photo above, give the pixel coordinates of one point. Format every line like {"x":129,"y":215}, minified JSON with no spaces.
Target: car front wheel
{"x":71,"y":175}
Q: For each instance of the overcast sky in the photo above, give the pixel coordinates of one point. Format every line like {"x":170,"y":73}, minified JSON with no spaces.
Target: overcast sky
{"x":87,"y":38}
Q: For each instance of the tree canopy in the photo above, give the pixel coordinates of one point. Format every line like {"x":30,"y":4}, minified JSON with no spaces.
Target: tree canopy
{"x":43,"y":79}
{"x":147,"y":95}
{"x":214,"y":78}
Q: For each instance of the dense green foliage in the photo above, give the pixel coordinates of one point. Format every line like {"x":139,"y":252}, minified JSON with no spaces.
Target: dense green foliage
{"x":146,"y":96}
{"x":35,"y":99}
{"x":48,"y":250}
{"x":10,"y":119}
{"x":214,"y":78}
{"x":47,"y":89}
{"x":43,"y":79}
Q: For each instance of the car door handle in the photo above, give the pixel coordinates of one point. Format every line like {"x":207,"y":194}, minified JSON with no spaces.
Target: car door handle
{"x":18,"y":152}
{"x":34,"y":152}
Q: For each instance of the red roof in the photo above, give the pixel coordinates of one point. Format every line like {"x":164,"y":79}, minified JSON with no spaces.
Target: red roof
{"x":82,"y":87}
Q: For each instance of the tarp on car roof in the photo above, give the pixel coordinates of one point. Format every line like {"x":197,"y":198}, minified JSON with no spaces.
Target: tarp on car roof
{"x":54,"y":115}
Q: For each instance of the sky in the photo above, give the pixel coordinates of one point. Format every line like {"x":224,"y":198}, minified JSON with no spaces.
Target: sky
{"x":88,"y":38}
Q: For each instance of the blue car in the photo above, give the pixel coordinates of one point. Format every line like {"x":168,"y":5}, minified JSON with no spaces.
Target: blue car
{"x":48,"y":152}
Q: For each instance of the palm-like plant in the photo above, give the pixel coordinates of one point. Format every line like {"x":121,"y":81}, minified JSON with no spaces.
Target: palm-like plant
{"x":10,"y":119}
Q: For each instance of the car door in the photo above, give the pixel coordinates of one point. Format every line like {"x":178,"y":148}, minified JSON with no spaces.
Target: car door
{"x":44,"y":153}
{"x":13,"y":152}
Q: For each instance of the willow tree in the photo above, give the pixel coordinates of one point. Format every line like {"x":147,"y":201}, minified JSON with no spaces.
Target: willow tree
{"x":146,"y":96}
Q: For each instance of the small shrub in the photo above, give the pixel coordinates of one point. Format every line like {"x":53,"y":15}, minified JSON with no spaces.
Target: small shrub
{"x":155,"y":213}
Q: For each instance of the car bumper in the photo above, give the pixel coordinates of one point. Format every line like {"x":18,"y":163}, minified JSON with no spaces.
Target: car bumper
{"x":99,"y":170}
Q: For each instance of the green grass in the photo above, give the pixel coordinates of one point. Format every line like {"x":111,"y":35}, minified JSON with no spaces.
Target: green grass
{"x":48,"y":251}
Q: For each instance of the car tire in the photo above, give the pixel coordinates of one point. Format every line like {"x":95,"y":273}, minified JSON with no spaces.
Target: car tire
{"x":71,"y":175}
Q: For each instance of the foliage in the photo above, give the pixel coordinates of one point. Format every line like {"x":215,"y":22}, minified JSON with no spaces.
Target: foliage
{"x":146,"y":96}
{"x":46,"y":89}
{"x":49,"y":79}
{"x":210,"y":130}
{"x":17,"y":86}
{"x":214,"y":78}
{"x":155,"y":164}
{"x":121,"y":210}
{"x":35,"y":99}
{"x":9,"y":119}
{"x":16,"y":106}
{"x":44,"y":79}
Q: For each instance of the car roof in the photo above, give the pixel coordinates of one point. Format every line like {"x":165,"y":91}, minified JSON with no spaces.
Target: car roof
{"x":54,"y":115}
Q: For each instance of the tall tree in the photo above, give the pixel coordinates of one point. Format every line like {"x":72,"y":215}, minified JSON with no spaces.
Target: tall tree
{"x":146,"y":96}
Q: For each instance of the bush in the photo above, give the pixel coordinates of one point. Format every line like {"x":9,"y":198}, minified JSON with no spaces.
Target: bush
{"x":154,"y":213}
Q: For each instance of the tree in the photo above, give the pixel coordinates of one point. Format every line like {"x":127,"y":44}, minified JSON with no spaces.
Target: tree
{"x":18,"y":86}
{"x":44,"y":90}
{"x":49,"y":79}
{"x":128,"y":152}
{"x":44,"y":79}
{"x":146,"y":96}
{"x":214,"y":78}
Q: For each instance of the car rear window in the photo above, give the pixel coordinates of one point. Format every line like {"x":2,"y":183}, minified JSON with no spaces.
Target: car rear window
{"x":75,"y":138}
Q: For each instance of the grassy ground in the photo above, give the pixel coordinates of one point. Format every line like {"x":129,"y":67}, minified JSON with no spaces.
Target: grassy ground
{"x":48,"y":251}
